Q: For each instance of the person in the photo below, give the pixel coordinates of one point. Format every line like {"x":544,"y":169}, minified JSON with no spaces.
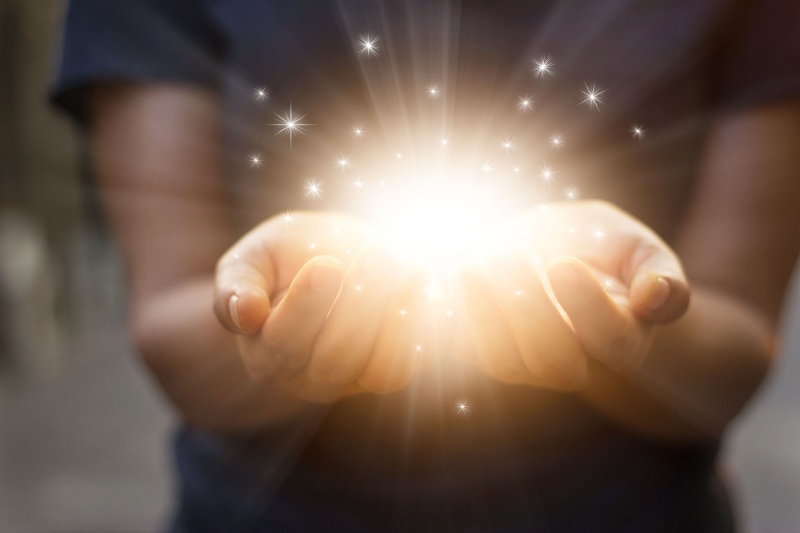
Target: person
{"x":582,"y":406}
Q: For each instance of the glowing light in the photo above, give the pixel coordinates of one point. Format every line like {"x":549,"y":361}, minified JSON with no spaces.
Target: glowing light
{"x":542,"y":66}
{"x":608,"y":283}
{"x":358,"y":132}
{"x":518,"y":293}
{"x":313,"y":188}
{"x":525,"y":103}
{"x":571,"y":194}
{"x":290,"y":124}
{"x":358,"y":184}
{"x":418,"y":349}
{"x":403,"y":313}
{"x":444,"y":142}
{"x":507,"y":145}
{"x":547,"y":174}
{"x":261,"y":93}
{"x":433,"y":91}
{"x":398,"y":155}
{"x":556,"y":141}
{"x":486,"y":168}
{"x":592,"y":95}
{"x":462,"y":407}
{"x":637,"y":131}
{"x":287,"y":217}
{"x":312,"y":247}
{"x":343,"y":162}
{"x":368,"y":45}
{"x":599,"y":234}
{"x":359,"y":288}
{"x":255,"y":160}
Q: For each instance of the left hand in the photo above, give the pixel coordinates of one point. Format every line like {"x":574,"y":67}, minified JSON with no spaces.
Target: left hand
{"x":611,"y":281}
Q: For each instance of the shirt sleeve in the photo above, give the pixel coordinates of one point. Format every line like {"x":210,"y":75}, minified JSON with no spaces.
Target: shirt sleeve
{"x":759,"y":61}
{"x":136,"y":41}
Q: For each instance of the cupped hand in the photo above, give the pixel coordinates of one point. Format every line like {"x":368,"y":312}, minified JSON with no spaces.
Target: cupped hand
{"x":320,"y":310}
{"x":587,"y":283}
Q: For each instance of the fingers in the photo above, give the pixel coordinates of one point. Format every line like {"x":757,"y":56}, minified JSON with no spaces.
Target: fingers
{"x":288,"y":337}
{"x":351,"y":329}
{"x":549,"y":348}
{"x":495,"y":348}
{"x":400,"y":347}
{"x":659,"y":298}
{"x":241,"y":300}
{"x":605,"y":329}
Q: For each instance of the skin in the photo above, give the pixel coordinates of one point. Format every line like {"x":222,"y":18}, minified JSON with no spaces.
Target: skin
{"x":291,"y":329}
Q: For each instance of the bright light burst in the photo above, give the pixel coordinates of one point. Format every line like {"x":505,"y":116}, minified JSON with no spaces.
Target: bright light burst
{"x":433,"y":91}
{"x":571,"y":194}
{"x":313,"y":188}
{"x":358,"y":184}
{"x":358,"y":132}
{"x":507,"y":145}
{"x":343,"y":162}
{"x":444,"y":142}
{"x":556,"y":141}
{"x":290,"y":124}
{"x":525,"y":103}
{"x":592,"y":95}
{"x":368,"y":45}
{"x":637,"y":131}
{"x":462,"y":407}
{"x":599,"y":234}
{"x":287,"y":217}
{"x":542,"y":66}
{"x":547,"y":174}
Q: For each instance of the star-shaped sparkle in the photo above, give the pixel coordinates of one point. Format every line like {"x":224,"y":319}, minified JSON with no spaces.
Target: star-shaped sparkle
{"x":261,"y":93}
{"x":313,"y":188}
{"x":358,"y":132}
{"x":368,"y":45}
{"x":255,"y":160}
{"x":542,"y":67}
{"x":433,"y":91}
{"x":637,"y":131}
{"x":592,"y":95}
{"x":556,"y":141}
{"x":525,"y":103}
{"x":462,"y":407}
{"x":290,"y":124}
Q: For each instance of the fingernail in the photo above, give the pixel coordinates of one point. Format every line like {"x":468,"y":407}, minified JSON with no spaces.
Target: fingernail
{"x":565,"y":275}
{"x":325,"y":278}
{"x":658,"y":295}
{"x":234,"y":310}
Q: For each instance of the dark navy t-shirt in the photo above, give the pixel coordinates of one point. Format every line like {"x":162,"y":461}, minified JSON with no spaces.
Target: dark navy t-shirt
{"x":525,"y":459}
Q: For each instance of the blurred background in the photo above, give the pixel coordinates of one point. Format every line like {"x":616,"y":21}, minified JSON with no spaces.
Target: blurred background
{"x":84,"y":432}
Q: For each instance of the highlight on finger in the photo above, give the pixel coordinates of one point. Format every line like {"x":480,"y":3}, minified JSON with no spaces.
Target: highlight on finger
{"x":607,"y":330}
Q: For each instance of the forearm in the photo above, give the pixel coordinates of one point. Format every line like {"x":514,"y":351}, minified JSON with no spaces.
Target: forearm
{"x":196,"y":362}
{"x":697,"y":375}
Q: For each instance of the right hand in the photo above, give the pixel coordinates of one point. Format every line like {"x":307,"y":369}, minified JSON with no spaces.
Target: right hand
{"x":320,"y":310}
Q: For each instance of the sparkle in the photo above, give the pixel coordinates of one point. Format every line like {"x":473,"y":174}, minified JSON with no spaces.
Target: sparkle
{"x":368,"y":45}
{"x":255,"y":160}
{"x":486,"y":168}
{"x":444,"y":142}
{"x":516,"y":170}
{"x":599,"y":234}
{"x":359,"y":288}
{"x":592,"y":95}
{"x":398,"y":155}
{"x":556,"y":141}
{"x":418,"y":349}
{"x":313,"y":188}
{"x":449,"y":313}
{"x":312,"y":246}
{"x":433,"y":91}
{"x":462,"y":408}
{"x":290,"y":124}
{"x":287,"y":217}
{"x":547,"y":174}
{"x":261,"y":93}
{"x":525,"y":103}
{"x":403,"y":313}
{"x":542,"y":66}
{"x":343,"y":162}
{"x":518,"y":293}
{"x":608,"y":283}
{"x":571,"y":194}
{"x":637,"y":131}
{"x":358,"y":184}
{"x":358,"y":132}
{"x":507,"y":145}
